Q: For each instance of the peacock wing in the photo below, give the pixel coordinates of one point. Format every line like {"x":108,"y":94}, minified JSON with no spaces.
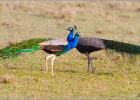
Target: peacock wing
{"x":54,"y":42}
{"x":54,"y":48}
{"x":91,"y":42}
{"x":54,"y":45}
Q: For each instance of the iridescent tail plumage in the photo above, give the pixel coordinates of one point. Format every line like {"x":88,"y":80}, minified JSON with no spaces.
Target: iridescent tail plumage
{"x":30,"y":45}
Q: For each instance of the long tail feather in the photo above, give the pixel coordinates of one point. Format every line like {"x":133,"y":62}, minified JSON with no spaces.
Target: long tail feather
{"x":30,"y":45}
{"x":120,"y":52}
{"x":122,"y":47}
{"x":32,"y":49}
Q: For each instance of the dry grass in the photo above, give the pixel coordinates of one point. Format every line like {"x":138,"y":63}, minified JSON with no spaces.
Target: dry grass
{"x":107,"y":19}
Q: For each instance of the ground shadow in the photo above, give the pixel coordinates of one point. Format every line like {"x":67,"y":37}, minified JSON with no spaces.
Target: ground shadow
{"x":105,"y":73}
{"x":68,"y":70}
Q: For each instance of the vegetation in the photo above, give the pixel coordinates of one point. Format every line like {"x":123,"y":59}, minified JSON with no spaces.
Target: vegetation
{"x":21,"y":78}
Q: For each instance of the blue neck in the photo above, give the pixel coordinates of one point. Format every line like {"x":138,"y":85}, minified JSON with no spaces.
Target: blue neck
{"x":70,"y":36}
{"x":72,"y":44}
{"x":72,"y":32}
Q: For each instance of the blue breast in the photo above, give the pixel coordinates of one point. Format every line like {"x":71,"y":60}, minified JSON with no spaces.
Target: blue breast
{"x":74,"y":43}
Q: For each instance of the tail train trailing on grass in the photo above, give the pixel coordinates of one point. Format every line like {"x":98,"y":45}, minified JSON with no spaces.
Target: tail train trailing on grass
{"x":13,"y":50}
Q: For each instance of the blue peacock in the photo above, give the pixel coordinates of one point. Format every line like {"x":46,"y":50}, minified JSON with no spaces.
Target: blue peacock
{"x":54,"y":47}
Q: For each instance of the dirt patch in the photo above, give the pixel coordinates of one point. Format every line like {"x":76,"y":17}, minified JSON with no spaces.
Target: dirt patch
{"x":4,"y":79}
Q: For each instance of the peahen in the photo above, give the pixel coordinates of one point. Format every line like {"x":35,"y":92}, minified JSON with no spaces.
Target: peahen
{"x":54,"y":47}
{"x":87,"y":45}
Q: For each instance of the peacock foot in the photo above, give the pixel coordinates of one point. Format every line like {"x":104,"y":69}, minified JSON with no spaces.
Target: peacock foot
{"x":92,"y":71}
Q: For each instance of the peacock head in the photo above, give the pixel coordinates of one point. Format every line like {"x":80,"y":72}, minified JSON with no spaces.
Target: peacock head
{"x":74,"y":28}
{"x":78,"y":34}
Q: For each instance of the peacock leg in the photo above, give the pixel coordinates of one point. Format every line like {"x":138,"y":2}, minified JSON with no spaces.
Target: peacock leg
{"x":91,"y":65}
{"x":46,"y":60}
{"x":88,"y":57}
{"x":46,"y":68}
{"x":53,"y":58}
{"x":88,"y":64}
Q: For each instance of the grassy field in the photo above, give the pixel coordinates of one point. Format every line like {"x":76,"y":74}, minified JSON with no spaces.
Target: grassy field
{"x":115,"y":78}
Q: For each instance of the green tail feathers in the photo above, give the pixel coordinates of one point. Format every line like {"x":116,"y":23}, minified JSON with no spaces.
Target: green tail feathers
{"x":30,"y":45}
{"x":122,"y":47}
{"x":120,"y":51}
{"x":32,"y":49}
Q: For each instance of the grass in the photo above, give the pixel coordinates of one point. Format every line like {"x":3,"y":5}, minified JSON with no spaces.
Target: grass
{"x":21,"y":78}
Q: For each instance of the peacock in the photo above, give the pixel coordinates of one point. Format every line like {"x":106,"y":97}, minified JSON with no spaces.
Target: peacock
{"x":57,"y":48}
{"x":54,"y":47}
{"x":87,"y":45}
